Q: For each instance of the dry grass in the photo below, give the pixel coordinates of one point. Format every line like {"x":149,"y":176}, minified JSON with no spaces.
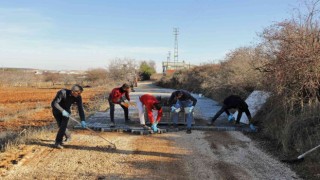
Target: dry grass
{"x":27,"y":106}
{"x":12,"y":139}
{"x":25,"y":113}
{"x":293,"y":130}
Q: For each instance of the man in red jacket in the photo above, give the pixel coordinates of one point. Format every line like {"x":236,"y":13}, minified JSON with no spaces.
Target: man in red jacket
{"x":149,"y":103}
{"x":118,"y":96}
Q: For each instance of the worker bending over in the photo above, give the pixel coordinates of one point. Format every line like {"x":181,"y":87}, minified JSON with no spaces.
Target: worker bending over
{"x":182,"y":99}
{"x":154,"y":110}
{"x":234,"y":102}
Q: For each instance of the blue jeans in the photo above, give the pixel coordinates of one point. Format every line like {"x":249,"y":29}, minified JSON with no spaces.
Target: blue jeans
{"x":183,"y":104}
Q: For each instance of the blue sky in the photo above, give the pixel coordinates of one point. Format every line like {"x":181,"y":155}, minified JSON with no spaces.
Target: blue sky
{"x":82,"y":34}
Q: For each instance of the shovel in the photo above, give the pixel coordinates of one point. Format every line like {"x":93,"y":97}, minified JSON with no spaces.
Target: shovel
{"x":301,"y":157}
{"x":112,"y":146}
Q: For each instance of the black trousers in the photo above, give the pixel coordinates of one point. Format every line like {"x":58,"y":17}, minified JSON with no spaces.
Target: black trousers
{"x":125,"y":109}
{"x":223,"y":109}
{"x":62,"y":124}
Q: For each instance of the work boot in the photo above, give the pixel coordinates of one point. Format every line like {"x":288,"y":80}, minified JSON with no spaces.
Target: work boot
{"x":58,"y":146}
{"x":188,"y":130}
{"x":145,"y":127}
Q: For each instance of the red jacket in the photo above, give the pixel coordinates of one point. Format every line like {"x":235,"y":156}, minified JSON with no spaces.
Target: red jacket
{"x":148,"y":100}
{"x":116,"y":95}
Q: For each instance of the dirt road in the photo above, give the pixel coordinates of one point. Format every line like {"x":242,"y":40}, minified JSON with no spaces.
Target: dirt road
{"x":200,"y":155}
{"x":174,"y":155}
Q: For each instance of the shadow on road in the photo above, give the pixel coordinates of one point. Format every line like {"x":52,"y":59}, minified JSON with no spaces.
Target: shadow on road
{"x":108,"y":150}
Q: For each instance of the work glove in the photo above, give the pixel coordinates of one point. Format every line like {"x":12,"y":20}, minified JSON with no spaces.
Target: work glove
{"x":65,"y":113}
{"x":83,"y":124}
{"x":191,"y":109}
{"x":154,"y":127}
{"x":173,"y":108}
{"x":230,"y":118}
{"x":252,"y":127}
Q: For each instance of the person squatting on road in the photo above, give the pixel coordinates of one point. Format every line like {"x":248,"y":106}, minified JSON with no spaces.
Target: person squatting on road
{"x":119,"y":96}
{"x":61,"y":111}
{"x":182,"y":99}
{"x":154,"y":111}
{"x":234,"y":102}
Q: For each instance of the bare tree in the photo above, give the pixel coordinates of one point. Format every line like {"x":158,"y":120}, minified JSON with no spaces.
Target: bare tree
{"x":52,"y":77}
{"x":120,"y":69}
{"x":98,"y":75}
{"x":293,"y":50}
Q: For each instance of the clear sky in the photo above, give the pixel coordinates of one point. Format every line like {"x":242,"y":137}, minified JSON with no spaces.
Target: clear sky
{"x":82,"y":34}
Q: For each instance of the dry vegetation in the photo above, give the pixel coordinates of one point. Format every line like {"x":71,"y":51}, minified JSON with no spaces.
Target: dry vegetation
{"x":26,"y":98}
{"x":26,"y":95}
{"x":286,"y":63}
{"x":233,"y":75}
{"x":26,"y":106}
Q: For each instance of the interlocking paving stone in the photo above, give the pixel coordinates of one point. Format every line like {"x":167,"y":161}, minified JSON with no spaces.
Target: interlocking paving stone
{"x":204,"y":111}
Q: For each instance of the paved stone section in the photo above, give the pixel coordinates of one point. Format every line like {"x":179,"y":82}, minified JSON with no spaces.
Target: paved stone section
{"x":203,"y":112}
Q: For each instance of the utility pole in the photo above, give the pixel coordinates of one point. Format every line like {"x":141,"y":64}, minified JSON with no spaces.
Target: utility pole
{"x":175,"y":55}
{"x":165,"y":67}
{"x":168,"y":57}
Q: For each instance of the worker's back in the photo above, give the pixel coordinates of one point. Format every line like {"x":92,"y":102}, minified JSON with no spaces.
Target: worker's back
{"x":234,"y":101}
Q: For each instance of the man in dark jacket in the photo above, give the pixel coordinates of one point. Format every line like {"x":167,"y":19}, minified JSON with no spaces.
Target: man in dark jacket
{"x":234,"y":102}
{"x":61,"y":111}
{"x":182,"y":99}
{"x":119,"y":96}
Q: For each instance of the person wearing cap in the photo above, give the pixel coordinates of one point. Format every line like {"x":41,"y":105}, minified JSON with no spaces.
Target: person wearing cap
{"x":119,"y":96}
{"x":234,"y":102}
{"x":154,"y":111}
{"x":182,"y":99}
{"x":61,"y":105}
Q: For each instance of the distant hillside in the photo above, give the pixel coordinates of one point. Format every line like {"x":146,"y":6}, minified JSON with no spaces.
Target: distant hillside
{"x":40,"y":71}
{"x":16,"y":69}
